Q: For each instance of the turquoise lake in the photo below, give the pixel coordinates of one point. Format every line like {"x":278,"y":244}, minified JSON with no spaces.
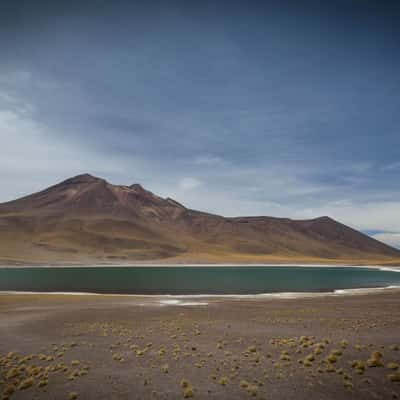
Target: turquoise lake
{"x":194,"y":280}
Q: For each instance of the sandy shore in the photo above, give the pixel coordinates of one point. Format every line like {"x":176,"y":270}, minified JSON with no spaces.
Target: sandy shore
{"x":121,"y":347}
{"x":382,"y":266}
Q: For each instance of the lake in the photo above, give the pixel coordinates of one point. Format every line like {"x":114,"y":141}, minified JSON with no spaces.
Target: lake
{"x":194,"y":280}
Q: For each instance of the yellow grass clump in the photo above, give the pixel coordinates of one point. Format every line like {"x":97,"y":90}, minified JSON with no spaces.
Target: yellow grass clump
{"x":185,"y":383}
{"x":252,"y":349}
{"x":187,"y":389}
{"x":43,"y":382}
{"x":223,"y":381}
{"x":318,"y":350}
{"x":9,"y":390}
{"x":164,"y":368}
{"x":375,"y":360}
{"x":26,"y":383}
{"x":347,"y":384}
{"x":12,"y":373}
{"x":359,"y":366}
{"x":117,"y":357}
{"x":330,"y":368}
{"x":188,"y":392}
{"x":393,"y":365}
{"x":332,"y":358}
{"x":310,"y":358}
{"x":252,"y":389}
{"x":394,"y":377}
{"x":161,"y":352}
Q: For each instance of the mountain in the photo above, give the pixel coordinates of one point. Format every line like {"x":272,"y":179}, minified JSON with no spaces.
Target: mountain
{"x":86,"y":220}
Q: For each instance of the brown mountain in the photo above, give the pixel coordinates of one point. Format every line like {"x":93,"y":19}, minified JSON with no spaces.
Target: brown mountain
{"x":87,"y":220}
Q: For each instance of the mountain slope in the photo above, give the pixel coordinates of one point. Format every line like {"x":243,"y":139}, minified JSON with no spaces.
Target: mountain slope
{"x":86,"y":219}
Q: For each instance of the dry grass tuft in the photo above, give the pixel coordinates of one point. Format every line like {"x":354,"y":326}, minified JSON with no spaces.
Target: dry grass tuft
{"x":252,"y":389}
{"x":43,"y":382}
{"x":164,"y":368}
{"x":332,"y":358}
{"x":188,"y":392}
{"x":252,"y":349}
{"x":12,"y":373}
{"x":375,"y":360}
{"x":223,"y":381}
{"x":393,"y":365}
{"x":359,"y":366}
{"x":185,"y":383}
{"x":347,"y":384}
{"x":26,"y":383}
{"x":330,"y":368}
{"x":9,"y":390}
{"x":394,"y":377}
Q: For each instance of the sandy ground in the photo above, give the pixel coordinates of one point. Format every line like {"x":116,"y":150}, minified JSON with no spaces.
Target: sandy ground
{"x":120,"y":347}
{"x":194,"y":259}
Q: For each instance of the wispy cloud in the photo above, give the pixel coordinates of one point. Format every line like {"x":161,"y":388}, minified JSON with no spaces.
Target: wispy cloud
{"x":188,"y":183}
{"x":392,"y":239}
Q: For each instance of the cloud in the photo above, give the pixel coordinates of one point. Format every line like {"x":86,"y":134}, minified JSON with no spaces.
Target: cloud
{"x":34,"y":157}
{"x":209,"y":160}
{"x":188,"y":183}
{"x":392,"y":239}
{"x":383,"y":215}
{"x":395,"y":166}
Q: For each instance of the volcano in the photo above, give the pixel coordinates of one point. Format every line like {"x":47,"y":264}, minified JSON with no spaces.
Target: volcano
{"x":86,"y":220}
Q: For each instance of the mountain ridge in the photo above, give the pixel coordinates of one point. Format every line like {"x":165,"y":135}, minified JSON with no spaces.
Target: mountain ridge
{"x":85,"y":219}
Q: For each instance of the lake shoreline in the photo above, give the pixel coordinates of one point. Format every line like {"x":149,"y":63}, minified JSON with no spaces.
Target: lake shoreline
{"x":166,"y":265}
{"x":160,"y":298}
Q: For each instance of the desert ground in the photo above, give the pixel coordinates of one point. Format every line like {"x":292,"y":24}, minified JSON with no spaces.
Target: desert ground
{"x":126,"y":347}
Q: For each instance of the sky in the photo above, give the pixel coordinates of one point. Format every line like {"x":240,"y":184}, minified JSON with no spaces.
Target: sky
{"x":282,"y":108}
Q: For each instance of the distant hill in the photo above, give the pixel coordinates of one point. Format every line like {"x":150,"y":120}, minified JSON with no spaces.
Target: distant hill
{"x":88,"y":220}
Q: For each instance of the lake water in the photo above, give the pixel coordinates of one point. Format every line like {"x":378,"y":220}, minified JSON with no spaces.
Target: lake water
{"x":194,"y":280}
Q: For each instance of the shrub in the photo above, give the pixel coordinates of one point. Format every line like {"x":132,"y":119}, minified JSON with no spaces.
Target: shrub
{"x":332,"y":358}
{"x":185,"y":383}
{"x":394,"y":377}
{"x":43,"y":382}
{"x":375,"y":360}
{"x":27,"y":383}
{"x":188,"y":392}
{"x":392,"y":365}
{"x":164,"y":369}
{"x":12,"y":373}
{"x":223,"y":381}
{"x":252,"y":389}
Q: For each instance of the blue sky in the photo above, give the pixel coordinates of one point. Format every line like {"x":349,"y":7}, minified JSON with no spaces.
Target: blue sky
{"x":286,"y":108}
